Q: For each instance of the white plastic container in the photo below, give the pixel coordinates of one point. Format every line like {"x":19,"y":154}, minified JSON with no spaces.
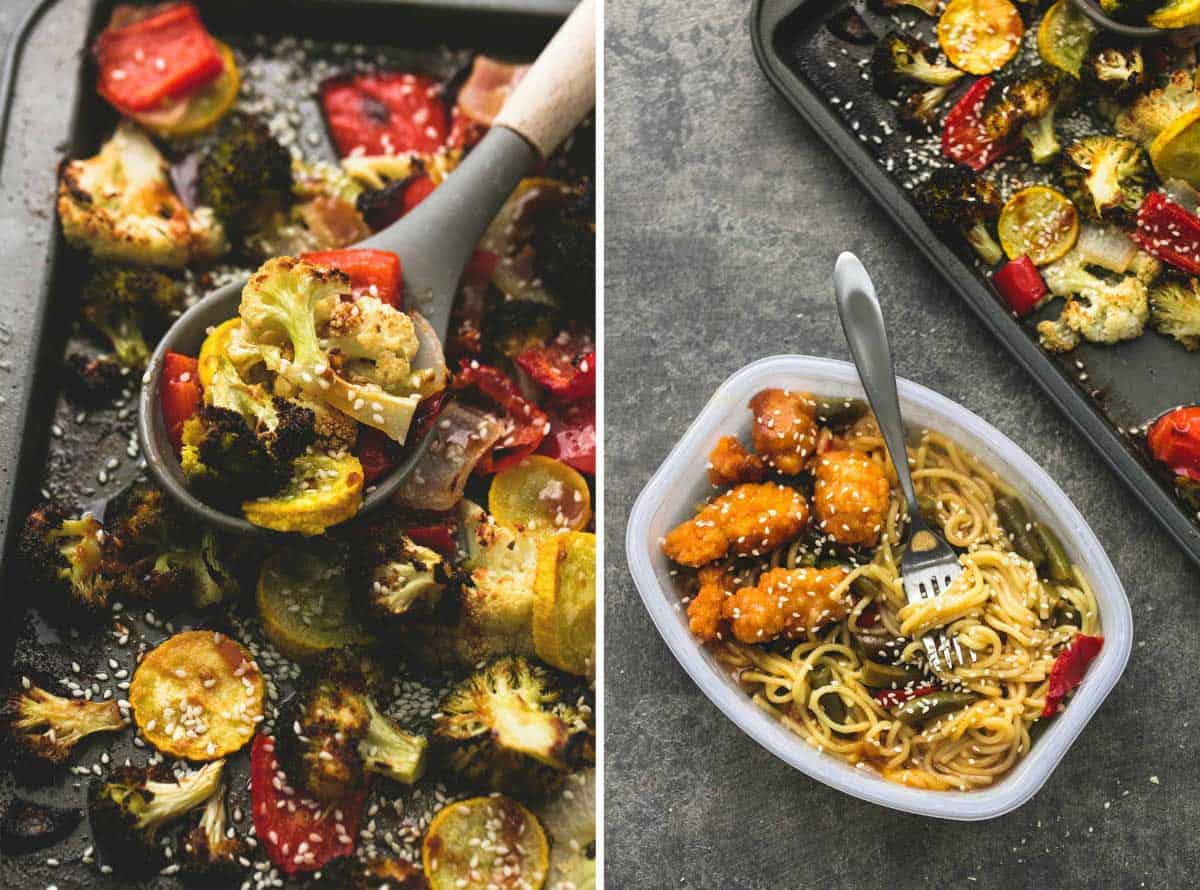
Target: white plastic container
{"x":681,"y":483}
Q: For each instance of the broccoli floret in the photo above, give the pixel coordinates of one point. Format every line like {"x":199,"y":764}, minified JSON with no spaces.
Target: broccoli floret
{"x":351,"y":873}
{"x":1099,"y":309}
{"x":27,"y":826}
{"x":393,"y":577}
{"x":331,"y":735}
{"x":245,"y":174}
{"x":956,"y":201}
{"x":119,"y":205}
{"x":210,"y":853}
{"x":1175,"y":310}
{"x":901,"y":62}
{"x":224,"y":461}
{"x":564,"y":248}
{"x":285,"y":428}
{"x":1105,"y":177}
{"x":1026,"y":107}
{"x":47,"y":726}
{"x":1152,"y":112}
{"x":72,"y":555}
{"x":1114,"y":65}
{"x":887,"y":7}
{"x":122,"y":301}
{"x":93,"y":379}
{"x":919,"y":110}
{"x":515,"y":325}
{"x":505,"y":727}
{"x":128,"y":811}
{"x":353,"y":356}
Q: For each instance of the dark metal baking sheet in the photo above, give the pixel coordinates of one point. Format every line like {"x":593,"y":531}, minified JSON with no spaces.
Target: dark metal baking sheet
{"x":49,"y":442}
{"x":1105,"y":391}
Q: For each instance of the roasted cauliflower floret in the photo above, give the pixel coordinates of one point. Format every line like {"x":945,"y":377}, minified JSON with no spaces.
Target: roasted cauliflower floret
{"x":730,"y":463}
{"x":119,"y":205}
{"x":1151,"y":112}
{"x":788,"y":603}
{"x":1098,"y":309}
{"x":48,"y":726}
{"x":785,"y":429}
{"x":850,"y":497}
{"x":750,"y":520}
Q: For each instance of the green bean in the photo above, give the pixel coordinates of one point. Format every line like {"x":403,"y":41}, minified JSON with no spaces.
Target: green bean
{"x":935,"y":704}
{"x":820,"y":675}
{"x":1065,"y":614}
{"x":1016,"y":522}
{"x":867,"y":588}
{"x":1058,"y":566}
{"x":889,"y":676}
{"x":840,"y":412}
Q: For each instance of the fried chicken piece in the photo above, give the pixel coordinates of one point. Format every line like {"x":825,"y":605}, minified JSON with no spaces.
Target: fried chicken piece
{"x":787,"y":602}
{"x":785,"y":429}
{"x":704,"y":611}
{"x":750,"y":520}
{"x":850,"y":498}
{"x":731,"y":464}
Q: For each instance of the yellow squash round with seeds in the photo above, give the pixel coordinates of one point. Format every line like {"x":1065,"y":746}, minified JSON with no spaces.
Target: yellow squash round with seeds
{"x":980,"y":36}
{"x":564,"y":602}
{"x":1175,"y":152}
{"x":199,"y":695}
{"x":1038,"y":222}
{"x":540,"y":494}
{"x":324,"y":491}
{"x":461,"y":850}
{"x":203,"y":108}
{"x":1064,"y":36}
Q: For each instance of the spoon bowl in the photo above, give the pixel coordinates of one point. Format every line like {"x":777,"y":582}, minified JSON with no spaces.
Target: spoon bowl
{"x":1096,"y":16}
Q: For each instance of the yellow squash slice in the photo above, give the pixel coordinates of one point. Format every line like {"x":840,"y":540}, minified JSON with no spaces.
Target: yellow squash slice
{"x":980,"y":36}
{"x":324,"y":491}
{"x":303,"y":602}
{"x":540,"y":494}
{"x":203,"y":108}
{"x":485,"y":843}
{"x":1176,"y":14}
{"x":198,"y":695}
{"x":564,"y":602}
{"x":1064,"y":36}
{"x":213,"y":349}
{"x":1038,"y":222}
{"x":1175,"y":152}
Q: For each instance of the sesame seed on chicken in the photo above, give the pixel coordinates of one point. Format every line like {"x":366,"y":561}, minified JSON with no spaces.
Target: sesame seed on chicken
{"x":787,"y":602}
{"x":850,"y":498}
{"x":730,"y":463}
{"x":750,"y":520}
{"x":785,"y":429}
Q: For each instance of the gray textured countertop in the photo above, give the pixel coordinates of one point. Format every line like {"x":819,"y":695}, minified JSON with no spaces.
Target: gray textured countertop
{"x":724,"y":216}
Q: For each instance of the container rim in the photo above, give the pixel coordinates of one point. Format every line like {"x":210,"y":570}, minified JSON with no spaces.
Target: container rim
{"x":648,"y":568}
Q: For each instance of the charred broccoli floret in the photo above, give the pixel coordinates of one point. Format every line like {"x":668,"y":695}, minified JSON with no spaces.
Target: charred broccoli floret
{"x":224,"y":462}
{"x":564,"y":247}
{"x":1152,"y":112}
{"x":92,"y":379}
{"x":72,"y":554}
{"x":505,"y":727}
{"x":332,"y":735}
{"x":128,"y":811}
{"x":122,"y":302}
{"x":211,"y":854}
{"x":245,"y":173}
{"x":285,"y":428}
{"x":1175,"y":310}
{"x":1106,"y":177}
{"x":919,"y":110}
{"x":1026,"y":107}
{"x":355,"y":356}
{"x":956,"y":201}
{"x":394,"y":578}
{"x":901,"y":62}
{"x":351,"y":873}
{"x":48,"y":726}
{"x":1114,"y":66}
{"x":887,"y":7}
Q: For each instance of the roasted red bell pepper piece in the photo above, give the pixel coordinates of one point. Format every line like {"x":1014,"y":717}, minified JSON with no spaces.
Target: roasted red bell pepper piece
{"x":440,"y":536}
{"x":1069,"y":668}
{"x":1170,"y":232}
{"x":464,"y":132}
{"x":368,"y":268}
{"x":416,"y":191}
{"x":299,"y":834}
{"x":565,"y":367}
{"x":156,"y":59}
{"x":373,"y":452}
{"x":529,"y":422}
{"x":385,"y":113}
{"x":572,"y":437}
{"x":1174,"y":440}
{"x":1020,"y":284}
{"x":964,"y":138}
{"x":179,"y":391}
{"x":893,"y":698}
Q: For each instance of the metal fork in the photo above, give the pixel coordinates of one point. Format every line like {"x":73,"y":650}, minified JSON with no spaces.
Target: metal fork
{"x":930,"y":565}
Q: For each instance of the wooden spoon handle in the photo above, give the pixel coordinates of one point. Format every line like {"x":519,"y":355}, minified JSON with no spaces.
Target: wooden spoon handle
{"x":560,"y":88}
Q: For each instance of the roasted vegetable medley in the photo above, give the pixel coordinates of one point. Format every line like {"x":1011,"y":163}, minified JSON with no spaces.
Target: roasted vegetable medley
{"x":399,"y":699}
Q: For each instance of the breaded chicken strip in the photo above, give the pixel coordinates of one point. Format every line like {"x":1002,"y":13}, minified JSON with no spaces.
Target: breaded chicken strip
{"x":704,"y":611}
{"x":850,"y":498}
{"x":750,"y":520}
{"x":731,"y":464}
{"x":785,"y":429}
{"x":787,"y":602}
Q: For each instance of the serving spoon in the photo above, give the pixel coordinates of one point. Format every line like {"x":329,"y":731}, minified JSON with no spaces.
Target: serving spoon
{"x":434,"y":242}
{"x":1092,"y":11}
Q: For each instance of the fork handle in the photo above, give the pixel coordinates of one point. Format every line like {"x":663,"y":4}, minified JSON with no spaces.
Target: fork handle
{"x":862,"y":322}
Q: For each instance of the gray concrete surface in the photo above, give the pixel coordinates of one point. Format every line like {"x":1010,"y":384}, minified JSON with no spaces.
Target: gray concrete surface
{"x":724,"y":216}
